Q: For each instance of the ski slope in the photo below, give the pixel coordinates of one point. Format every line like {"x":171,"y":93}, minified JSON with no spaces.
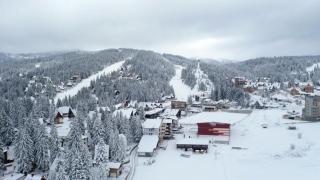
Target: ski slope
{"x":181,"y":90}
{"x":86,"y":82}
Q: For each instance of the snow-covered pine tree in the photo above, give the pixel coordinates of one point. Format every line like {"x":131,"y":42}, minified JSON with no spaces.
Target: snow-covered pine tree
{"x":80,"y":163}
{"x":124,"y":127}
{"x":136,"y":128}
{"x":108,"y":124}
{"x":60,"y":173}
{"x":42,"y":149}
{"x":6,"y":128}
{"x":98,"y":131}
{"x":1,"y":157}
{"x":24,"y":151}
{"x":101,"y":153}
{"x":59,"y":103}
{"x":54,"y":143}
{"x":113,"y":145}
{"x":122,"y":147}
{"x":81,"y":118}
{"x":100,"y":172}
{"x":75,"y":136}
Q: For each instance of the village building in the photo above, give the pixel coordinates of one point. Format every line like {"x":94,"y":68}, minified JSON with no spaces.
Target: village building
{"x":166,"y":128}
{"x":152,"y":127}
{"x":248,"y":88}
{"x":239,"y":81}
{"x":148,"y":145}
{"x":258,"y":105}
{"x":75,"y":78}
{"x":182,"y":105}
{"x":115,"y":168}
{"x":63,"y":112}
{"x":311,"y":112}
{"x":173,"y":114}
{"x":294,"y":91}
{"x":193,"y":144}
{"x":308,"y":88}
{"x":209,"y":108}
{"x":214,"y":125}
{"x":154,"y":113}
{"x":8,"y":155}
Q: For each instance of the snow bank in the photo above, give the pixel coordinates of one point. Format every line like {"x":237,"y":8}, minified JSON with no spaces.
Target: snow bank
{"x":86,"y":82}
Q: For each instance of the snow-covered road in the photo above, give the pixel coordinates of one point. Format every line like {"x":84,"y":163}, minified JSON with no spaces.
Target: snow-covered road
{"x":86,"y":82}
{"x":181,"y":90}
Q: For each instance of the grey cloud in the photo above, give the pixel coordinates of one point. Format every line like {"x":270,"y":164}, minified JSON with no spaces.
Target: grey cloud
{"x":235,"y":29}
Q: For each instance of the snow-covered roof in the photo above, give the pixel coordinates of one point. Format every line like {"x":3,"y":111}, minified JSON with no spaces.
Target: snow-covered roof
{"x":193,"y":141}
{"x":170,"y":112}
{"x":219,"y":117}
{"x":152,"y":123}
{"x":167,"y":121}
{"x":148,"y":143}
{"x":63,"y":109}
{"x":154,"y":111}
{"x":114,"y":165}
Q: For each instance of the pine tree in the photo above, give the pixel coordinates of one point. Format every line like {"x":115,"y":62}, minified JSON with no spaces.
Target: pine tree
{"x":81,"y":163}
{"x":113,"y":145}
{"x":6,"y":128}
{"x":122,"y":147}
{"x":1,"y":157}
{"x":136,"y":128}
{"x":81,"y":118}
{"x":101,"y":153}
{"x":54,"y":143}
{"x":124,"y":127}
{"x":109,"y":126}
{"x":60,"y":173}
{"x":23,"y":151}
{"x":98,"y":131}
{"x":42,"y":149}
{"x":59,"y":103}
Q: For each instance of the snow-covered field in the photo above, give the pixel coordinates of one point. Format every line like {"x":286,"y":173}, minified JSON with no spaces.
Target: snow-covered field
{"x":269,"y":153}
{"x":181,"y":90}
{"x":86,"y":82}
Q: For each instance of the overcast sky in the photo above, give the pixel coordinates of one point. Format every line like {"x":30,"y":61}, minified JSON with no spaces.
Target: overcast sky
{"x":223,"y":29}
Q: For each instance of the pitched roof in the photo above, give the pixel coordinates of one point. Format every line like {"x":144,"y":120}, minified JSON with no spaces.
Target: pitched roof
{"x":148,"y":143}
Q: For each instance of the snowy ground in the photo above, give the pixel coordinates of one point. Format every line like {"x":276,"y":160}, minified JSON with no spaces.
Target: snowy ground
{"x":272,"y":153}
{"x":181,"y":90}
{"x":86,"y":82}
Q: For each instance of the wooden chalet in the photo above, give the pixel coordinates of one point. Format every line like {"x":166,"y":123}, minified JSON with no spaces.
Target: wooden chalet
{"x":115,"y":169}
{"x":63,"y":112}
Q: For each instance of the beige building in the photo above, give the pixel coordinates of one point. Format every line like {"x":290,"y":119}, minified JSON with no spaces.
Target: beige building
{"x":311,"y":112}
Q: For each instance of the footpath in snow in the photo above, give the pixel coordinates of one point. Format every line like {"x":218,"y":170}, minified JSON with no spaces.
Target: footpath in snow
{"x":181,"y":90}
{"x":86,"y":82}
